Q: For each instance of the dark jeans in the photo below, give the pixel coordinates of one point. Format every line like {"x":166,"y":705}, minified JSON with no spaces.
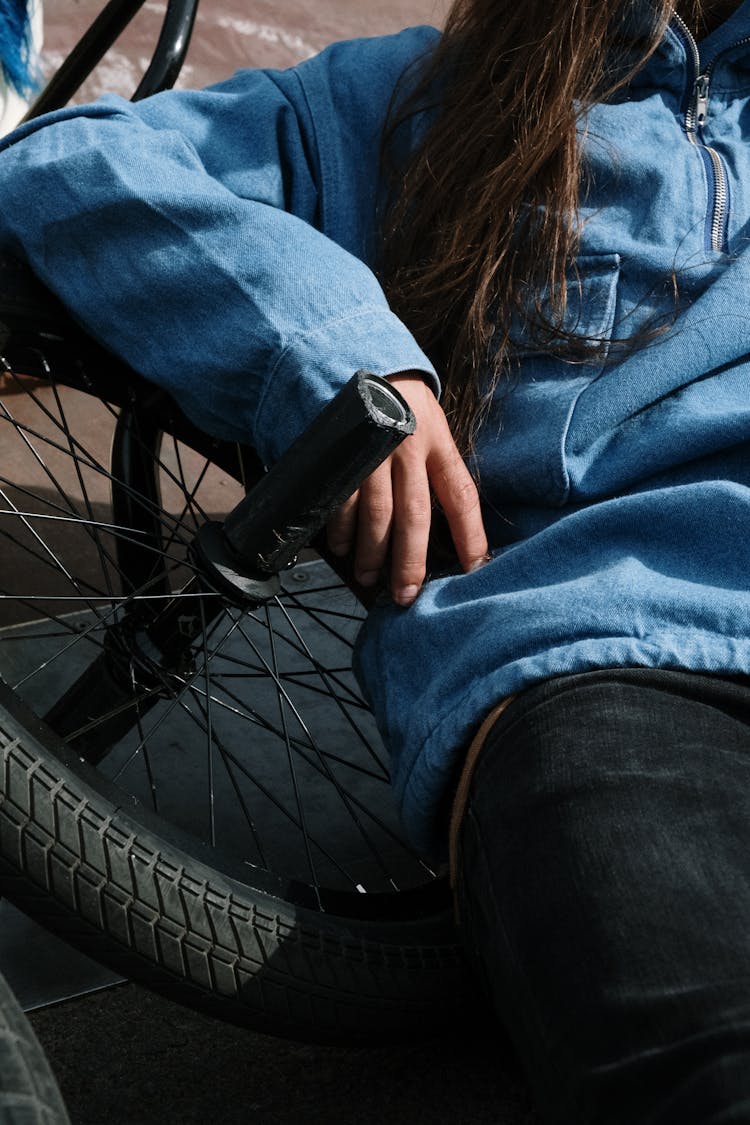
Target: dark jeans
{"x":604,"y":883}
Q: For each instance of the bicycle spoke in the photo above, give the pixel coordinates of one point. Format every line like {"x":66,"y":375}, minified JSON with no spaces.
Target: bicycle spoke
{"x":282,"y":702}
{"x":56,"y":484}
{"x":101,"y":620}
{"x":278,"y":759}
{"x":315,"y":663}
{"x":273,"y":800}
{"x":146,"y":756}
{"x":321,"y":758}
{"x":300,"y":677}
{"x":319,"y":619}
{"x":209,"y":731}
{"x":85,"y":458}
{"x":166,"y":713}
{"x":228,"y":766}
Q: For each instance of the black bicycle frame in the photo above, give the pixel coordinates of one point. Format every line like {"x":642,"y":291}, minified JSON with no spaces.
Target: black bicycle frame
{"x":161,"y":72}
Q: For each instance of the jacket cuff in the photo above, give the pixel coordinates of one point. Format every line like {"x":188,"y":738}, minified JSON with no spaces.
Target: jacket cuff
{"x":317,"y":364}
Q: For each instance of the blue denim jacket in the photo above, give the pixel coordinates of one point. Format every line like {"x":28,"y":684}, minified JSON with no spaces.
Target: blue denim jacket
{"x":224,"y":240}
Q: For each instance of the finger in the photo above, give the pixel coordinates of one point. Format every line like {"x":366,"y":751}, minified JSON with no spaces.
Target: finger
{"x":457,"y":494}
{"x":411,"y":529}
{"x":374,"y":519}
{"x":341,"y":528}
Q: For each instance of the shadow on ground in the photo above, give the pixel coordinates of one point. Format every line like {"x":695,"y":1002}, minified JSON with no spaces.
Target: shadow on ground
{"x":127,"y":1057}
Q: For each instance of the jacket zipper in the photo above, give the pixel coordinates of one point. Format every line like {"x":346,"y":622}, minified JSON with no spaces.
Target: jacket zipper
{"x":695,"y":117}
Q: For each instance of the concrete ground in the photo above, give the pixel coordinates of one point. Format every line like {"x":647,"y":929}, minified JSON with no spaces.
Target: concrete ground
{"x":230,"y":34}
{"x":124,"y":1056}
{"x":128,"y":1057}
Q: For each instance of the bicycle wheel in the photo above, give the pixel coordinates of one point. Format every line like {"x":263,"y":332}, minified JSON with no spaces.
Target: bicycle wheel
{"x":215,"y":821}
{"x":28,"y":1091}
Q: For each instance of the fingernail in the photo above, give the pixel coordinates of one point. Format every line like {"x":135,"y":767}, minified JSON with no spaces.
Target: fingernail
{"x":367,"y":577}
{"x":406,"y":595}
{"x":477,"y":563}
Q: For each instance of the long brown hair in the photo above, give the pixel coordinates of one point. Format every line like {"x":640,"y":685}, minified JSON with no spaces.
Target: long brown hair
{"x":483,"y":220}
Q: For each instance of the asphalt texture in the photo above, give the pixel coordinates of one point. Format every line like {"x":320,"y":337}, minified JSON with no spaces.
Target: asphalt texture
{"x":124,"y":1056}
{"x":128,"y":1057}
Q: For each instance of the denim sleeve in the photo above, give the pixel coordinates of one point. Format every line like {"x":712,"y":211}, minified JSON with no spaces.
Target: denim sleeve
{"x":184,"y":233}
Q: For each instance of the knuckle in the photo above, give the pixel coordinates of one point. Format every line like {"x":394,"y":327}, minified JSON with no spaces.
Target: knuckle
{"x":415,"y":512}
{"x":377,"y":509}
{"x":410,"y":448}
{"x":411,"y":573}
{"x":461,"y":492}
{"x":369,"y":561}
{"x":345,"y":512}
{"x":342,"y":516}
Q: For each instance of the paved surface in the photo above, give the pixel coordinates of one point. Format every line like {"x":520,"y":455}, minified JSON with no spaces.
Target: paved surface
{"x":231,"y":34}
{"x":127,"y":1057}
{"x":124,"y":1056}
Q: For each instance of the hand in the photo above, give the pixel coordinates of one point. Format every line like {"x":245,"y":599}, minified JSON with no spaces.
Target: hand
{"x":392,"y":509}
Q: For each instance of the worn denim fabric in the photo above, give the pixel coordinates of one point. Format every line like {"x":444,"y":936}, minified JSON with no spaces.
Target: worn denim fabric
{"x":605,"y":890}
{"x":224,"y":242}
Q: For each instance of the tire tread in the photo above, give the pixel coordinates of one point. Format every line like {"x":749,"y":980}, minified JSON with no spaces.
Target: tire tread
{"x":281,"y":969}
{"x":29,"y":1094}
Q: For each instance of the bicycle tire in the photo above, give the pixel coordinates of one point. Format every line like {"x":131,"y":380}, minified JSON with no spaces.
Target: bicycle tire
{"x":29,"y":1094}
{"x":272,"y":943}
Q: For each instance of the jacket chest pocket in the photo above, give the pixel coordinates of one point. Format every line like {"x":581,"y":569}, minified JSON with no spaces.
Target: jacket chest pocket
{"x":520,"y":449}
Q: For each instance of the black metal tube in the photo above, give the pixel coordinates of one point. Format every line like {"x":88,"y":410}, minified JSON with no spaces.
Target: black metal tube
{"x":93,"y":45}
{"x":161,"y":73}
{"x":351,"y":436}
{"x":136,"y":503}
{"x":171,"y":49}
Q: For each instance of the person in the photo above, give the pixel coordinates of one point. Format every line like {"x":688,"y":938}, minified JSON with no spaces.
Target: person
{"x":542,"y":214}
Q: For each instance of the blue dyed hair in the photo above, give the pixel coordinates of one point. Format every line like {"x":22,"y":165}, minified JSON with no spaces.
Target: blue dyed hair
{"x":16,"y":54}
